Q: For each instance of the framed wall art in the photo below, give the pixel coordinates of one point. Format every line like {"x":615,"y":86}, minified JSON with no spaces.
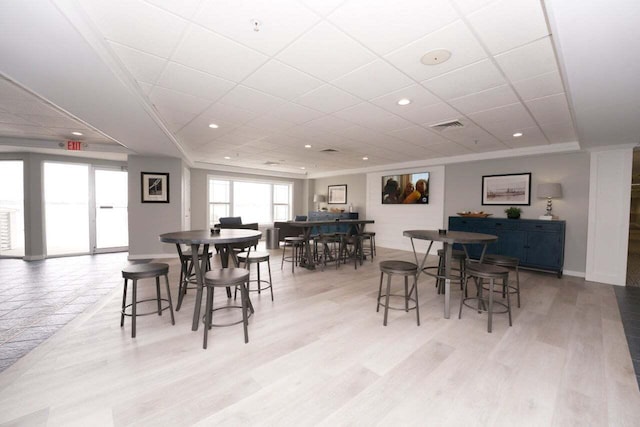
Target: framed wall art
{"x":155,"y":187}
{"x":337,"y":194}
{"x":510,"y":189}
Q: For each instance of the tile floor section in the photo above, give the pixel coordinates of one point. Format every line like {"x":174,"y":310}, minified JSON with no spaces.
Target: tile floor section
{"x":38,"y":298}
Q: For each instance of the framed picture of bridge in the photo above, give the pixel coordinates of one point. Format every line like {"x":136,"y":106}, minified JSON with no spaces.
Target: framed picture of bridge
{"x":155,"y":187}
{"x":510,"y":189}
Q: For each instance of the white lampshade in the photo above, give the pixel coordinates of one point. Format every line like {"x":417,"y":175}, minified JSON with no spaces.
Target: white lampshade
{"x":551,"y":190}
{"x":319,"y":198}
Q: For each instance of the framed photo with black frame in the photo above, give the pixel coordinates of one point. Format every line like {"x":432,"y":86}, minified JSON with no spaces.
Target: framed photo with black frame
{"x":509,"y":189}
{"x":155,"y":187}
{"x":337,"y":194}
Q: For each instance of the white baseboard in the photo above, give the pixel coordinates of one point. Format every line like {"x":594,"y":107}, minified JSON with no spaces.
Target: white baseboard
{"x":574,"y":273}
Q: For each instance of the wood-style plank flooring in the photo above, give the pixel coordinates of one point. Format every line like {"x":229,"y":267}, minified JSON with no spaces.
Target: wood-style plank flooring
{"x":319,"y":355}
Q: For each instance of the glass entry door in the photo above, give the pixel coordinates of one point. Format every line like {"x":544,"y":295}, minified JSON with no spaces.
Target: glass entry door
{"x":111,"y":218}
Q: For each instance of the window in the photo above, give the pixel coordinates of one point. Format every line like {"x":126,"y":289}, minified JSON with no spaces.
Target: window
{"x":255,"y":201}
{"x":11,"y":208}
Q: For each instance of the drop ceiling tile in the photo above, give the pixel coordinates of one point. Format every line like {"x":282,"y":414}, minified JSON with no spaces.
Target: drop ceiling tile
{"x":550,"y":109}
{"x":417,"y":135}
{"x":528,"y":61}
{"x":328,"y":99}
{"x":326,"y":53}
{"x":383,"y":26}
{"x":455,"y":37}
{"x":193,"y":82}
{"x":12,"y":119}
{"x":197,"y":132}
{"x":295,"y":113}
{"x":137,"y":24}
{"x":183,"y":8}
{"x":302,"y":132}
{"x":373,"y":80}
{"x":466,"y":80}
{"x":323,"y":7}
{"x":176,"y":107}
{"x":468,"y":6}
{"x":279,"y":25}
{"x":146,"y":88}
{"x":226,"y":114}
{"x":485,"y":100}
{"x":450,"y":148}
{"x":559,"y":132}
{"x":206,"y":51}
{"x":270,"y":123}
{"x":433,"y":114}
{"x":417,"y":94}
{"x":10,"y":92}
{"x":373,"y":117}
{"x":471,"y":135}
{"x":329,"y":123}
{"x":29,"y":105}
{"x":539,"y":86}
{"x":175,"y":118}
{"x":513,"y":116}
{"x":52,"y":121}
{"x":522,"y":20}
{"x":278,"y":79}
{"x":143,"y":67}
{"x":251,"y":99}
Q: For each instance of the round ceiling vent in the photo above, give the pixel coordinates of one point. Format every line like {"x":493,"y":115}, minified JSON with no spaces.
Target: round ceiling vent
{"x":436,"y":56}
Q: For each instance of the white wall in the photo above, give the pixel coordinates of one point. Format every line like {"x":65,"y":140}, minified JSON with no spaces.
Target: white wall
{"x":356,"y":193}
{"x":392,"y":220}
{"x":609,"y":205}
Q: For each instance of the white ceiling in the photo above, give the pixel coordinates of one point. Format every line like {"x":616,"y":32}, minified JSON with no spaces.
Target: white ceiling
{"x":151,"y":75}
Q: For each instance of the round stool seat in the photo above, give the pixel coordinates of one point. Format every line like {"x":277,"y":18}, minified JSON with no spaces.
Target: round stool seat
{"x":294,"y":240}
{"x":398,"y":267}
{"x":501,"y":260}
{"x":455,"y":254}
{"x":486,"y":271}
{"x":254,"y":256}
{"x":225,"y":276}
{"x":141,"y":271}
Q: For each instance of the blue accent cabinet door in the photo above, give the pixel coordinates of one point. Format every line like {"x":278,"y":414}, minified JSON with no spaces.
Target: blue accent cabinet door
{"x":538,"y":244}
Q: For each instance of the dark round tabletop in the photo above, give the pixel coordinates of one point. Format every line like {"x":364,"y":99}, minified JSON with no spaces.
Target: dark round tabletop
{"x":450,"y":236}
{"x":206,"y":237}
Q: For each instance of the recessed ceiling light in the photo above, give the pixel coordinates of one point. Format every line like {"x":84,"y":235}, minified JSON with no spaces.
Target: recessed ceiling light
{"x":76,"y":133}
{"x":307,"y":146}
{"x":404,"y":101}
{"x":302,"y":167}
{"x":517,"y":134}
{"x":435,"y":57}
{"x":365,"y":158}
{"x":227,"y":158}
{"x":213,"y":126}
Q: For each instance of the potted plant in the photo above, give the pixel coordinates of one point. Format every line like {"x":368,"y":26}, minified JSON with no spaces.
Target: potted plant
{"x":513,"y":213}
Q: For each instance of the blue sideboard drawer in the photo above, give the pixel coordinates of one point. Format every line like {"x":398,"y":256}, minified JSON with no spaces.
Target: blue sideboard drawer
{"x":542,"y":225}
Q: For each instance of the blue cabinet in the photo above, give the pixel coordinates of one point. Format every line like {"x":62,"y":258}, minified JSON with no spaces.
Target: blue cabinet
{"x":331,"y":216}
{"x":538,"y":244}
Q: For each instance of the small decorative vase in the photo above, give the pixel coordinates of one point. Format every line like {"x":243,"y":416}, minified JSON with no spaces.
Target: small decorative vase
{"x":513,"y":216}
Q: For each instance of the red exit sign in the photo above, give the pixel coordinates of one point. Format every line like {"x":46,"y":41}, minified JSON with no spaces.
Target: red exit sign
{"x":74,"y":145}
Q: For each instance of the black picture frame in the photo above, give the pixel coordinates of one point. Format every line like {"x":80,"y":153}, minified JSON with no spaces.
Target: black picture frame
{"x":507,"y":190}
{"x":154,"y":187}
{"x":337,"y":194}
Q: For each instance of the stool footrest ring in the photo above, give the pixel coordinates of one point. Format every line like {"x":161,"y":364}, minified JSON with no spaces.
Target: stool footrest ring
{"x":149,"y":313}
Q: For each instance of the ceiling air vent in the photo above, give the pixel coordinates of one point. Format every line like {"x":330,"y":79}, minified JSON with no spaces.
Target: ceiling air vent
{"x":447,"y":125}
{"x":328,"y":150}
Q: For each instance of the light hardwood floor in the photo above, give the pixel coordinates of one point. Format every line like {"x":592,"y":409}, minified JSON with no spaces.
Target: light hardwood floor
{"x":319,"y":355}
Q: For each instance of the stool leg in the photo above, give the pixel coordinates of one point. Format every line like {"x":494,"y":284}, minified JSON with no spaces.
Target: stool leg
{"x":406,"y":294}
{"x":207,"y":316}
{"x":379,"y":293}
{"x":158,"y":295}
{"x":506,"y":283}
{"x":124,"y":301}
{"x":259,"y":283}
{"x":284,"y":251}
{"x":415,"y":286}
{"x":245,"y":299}
{"x":133,"y":308}
{"x":491,"y":283}
{"x":270,"y":281}
{"x":439,"y":281}
{"x":166,"y":278}
{"x":466,"y":282}
{"x":518,"y":285}
{"x":386,"y":306}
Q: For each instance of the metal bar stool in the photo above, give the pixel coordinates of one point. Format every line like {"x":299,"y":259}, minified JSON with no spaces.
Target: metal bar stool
{"x":456,"y":255}
{"x":136,"y":272}
{"x":401,"y":268}
{"x":187,"y":275}
{"x":479,"y":272}
{"x":371,"y":237}
{"x":329,"y":245}
{"x":223,"y":278}
{"x":256,"y":258}
{"x":295,"y":243}
{"x":506,"y":261}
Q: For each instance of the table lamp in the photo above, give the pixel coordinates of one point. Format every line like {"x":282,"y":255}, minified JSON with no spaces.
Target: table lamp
{"x":549,"y":191}
{"x":317,"y":199}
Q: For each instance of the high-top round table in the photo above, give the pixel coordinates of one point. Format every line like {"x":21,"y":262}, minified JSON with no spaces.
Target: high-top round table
{"x":447,"y":239}
{"x":223,"y":242}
